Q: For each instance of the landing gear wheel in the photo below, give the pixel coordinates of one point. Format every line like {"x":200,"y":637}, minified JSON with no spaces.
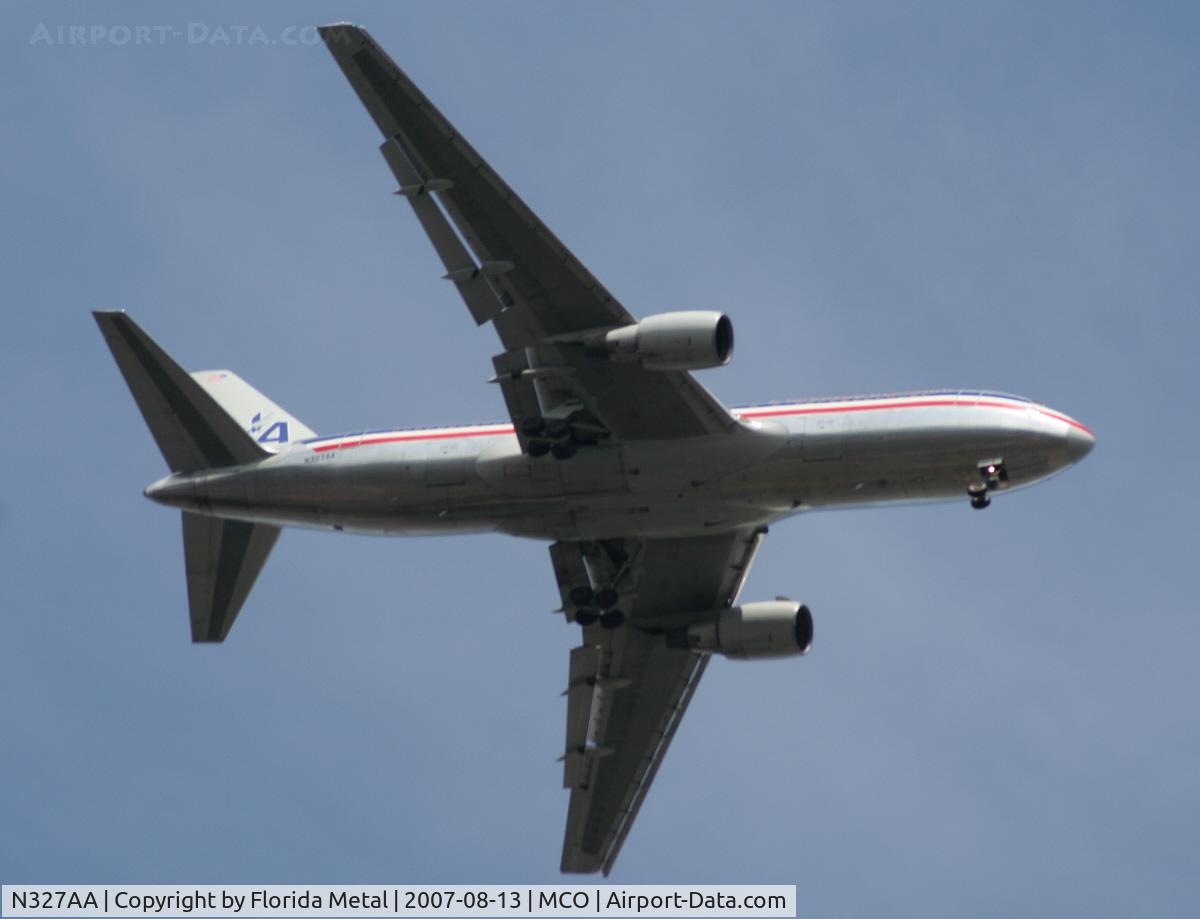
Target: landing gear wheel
{"x":581,"y":596}
{"x":532,"y":427}
{"x":992,"y":476}
{"x":606,"y":597}
{"x":586,"y":617}
{"x":564,"y":450}
{"x":612,"y":619}
{"x":537,"y":448}
{"x":557,"y":429}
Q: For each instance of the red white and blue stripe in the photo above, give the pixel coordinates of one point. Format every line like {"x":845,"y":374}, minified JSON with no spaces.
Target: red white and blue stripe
{"x":842,"y":405}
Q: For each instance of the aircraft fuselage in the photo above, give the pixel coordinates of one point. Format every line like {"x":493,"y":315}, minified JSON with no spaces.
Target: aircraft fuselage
{"x":783,"y":459}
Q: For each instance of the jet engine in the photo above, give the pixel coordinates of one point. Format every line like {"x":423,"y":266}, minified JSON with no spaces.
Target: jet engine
{"x":688,"y":340}
{"x":776,"y":628}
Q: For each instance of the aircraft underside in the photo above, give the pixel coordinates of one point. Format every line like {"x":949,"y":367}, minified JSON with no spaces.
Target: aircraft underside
{"x":655,"y":496}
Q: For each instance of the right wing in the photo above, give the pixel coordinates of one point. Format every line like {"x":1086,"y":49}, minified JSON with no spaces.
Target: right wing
{"x":628,"y":688}
{"x":515,"y":273}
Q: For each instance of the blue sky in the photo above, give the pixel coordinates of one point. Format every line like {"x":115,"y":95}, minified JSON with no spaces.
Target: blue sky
{"x":999,"y":714}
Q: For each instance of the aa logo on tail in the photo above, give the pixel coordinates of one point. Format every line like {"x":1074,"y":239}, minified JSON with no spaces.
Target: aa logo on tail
{"x":275,"y":434}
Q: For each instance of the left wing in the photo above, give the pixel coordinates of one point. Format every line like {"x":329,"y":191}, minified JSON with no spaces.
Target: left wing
{"x":512,"y":271}
{"x":629,"y":687}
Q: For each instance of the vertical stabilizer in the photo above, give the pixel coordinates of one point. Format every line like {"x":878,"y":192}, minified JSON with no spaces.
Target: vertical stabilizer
{"x":272,"y":428}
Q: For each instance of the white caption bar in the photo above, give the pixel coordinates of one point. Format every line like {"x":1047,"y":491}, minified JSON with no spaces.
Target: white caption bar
{"x":159,"y":900}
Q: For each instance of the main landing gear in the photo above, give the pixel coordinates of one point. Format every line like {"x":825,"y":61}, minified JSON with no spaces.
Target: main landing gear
{"x":550,"y":435}
{"x":597,"y":606}
{"x":992,"y":476}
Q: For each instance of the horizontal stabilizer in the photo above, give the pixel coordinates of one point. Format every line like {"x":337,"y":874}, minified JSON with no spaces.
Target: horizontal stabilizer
{"x":223,"y":559}
{"x":191,"y":429}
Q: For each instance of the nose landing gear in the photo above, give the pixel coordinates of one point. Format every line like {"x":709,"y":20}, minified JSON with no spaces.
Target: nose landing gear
{"x":992,"y":476}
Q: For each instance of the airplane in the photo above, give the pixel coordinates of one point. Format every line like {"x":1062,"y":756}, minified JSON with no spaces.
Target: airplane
{"x":654,"y":497}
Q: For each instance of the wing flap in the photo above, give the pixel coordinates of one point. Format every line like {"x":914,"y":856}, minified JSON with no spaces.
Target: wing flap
{"x":581,"y":695}
{"x":473,"y":285}
{"x":635,"y":725}
{"x":494,"y":221}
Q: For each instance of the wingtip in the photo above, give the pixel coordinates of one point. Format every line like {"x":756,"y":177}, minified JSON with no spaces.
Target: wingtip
{"x":338,"y":30}
{"x":105,"y":318}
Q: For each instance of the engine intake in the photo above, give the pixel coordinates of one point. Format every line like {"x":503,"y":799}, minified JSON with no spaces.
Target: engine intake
{"x":688,"y":340}
{"x":776,"y":628}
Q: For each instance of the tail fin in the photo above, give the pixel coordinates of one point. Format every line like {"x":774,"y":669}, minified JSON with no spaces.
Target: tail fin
{"x":191,"y":429}
{"x":271,"y":427}
{"x":197,"y":426}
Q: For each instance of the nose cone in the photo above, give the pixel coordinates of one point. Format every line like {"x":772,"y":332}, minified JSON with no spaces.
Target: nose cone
{"x":1079,"y":443}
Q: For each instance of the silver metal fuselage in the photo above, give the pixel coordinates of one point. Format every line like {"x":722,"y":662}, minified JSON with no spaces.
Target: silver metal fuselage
{"x":781,"y":459}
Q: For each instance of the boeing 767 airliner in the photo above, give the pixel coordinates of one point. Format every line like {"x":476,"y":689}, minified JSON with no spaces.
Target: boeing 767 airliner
{"x":654,"y":496}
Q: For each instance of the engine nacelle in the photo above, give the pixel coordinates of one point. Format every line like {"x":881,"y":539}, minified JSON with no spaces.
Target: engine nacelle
{"x":776,"y":628}
{"x":688,"y":340}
